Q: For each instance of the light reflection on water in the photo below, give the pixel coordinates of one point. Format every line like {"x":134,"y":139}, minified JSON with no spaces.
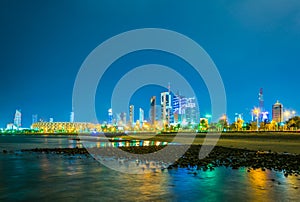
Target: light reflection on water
{"x":35,"y":176}
{"x":119,"y":143}
{"x":31,"y":142}
{"x":52,"y":177}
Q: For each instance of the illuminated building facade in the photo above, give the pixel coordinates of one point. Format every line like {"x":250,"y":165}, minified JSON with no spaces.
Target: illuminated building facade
{"x":141,"y":117}
{"x":191,"y":111}
{"x":178,"y":106}
{"x":263,"y":114}
{"x":53,"y":127}
{"x":153,"y":110}
{"x":131,"y":115}
{"x":277,"y":112}
{"x":72,"y":117}
{"x":34,"y":118}
{"x":18,"y":119}
{"x":166,"y":107}
{"x":110,"y":116}
{"x":123,"y":118}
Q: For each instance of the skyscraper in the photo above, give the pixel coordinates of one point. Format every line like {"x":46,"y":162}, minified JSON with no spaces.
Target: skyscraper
{"x":191,"y":111}
{"x":110,"y":116}
{"x":72,"y":117}
{"x":277,"y":112}
{"x":178,"y":106}
{"x":166,"y":107}
{"x":34,"y":118}
{"x":141,"y":117}
{"x":131,"y":115}
{"x":153,"y":110}
{"x":18,"y":118}
{"x":123,"y":118}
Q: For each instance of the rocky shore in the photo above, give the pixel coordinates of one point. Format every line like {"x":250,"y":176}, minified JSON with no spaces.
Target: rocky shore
{"x":219,"y":156}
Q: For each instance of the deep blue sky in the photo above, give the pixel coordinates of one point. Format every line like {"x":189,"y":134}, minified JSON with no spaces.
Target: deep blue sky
{"x":254,"y":43}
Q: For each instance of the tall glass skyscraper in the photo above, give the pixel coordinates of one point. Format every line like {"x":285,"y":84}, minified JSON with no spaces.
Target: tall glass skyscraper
{"x":179,"y":105}
{"x":141,"y":117}
{"x":18,"y":119}
{"x":153,"y":110}
{"x":110,"y":116}
{"x":166,"y":107}
{"x":191,"y":111}
{"x":131,"y":115}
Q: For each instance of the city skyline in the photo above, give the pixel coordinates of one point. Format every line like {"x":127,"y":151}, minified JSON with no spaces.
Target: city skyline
{"x":172,"y":104}
{"x":42,"y":52}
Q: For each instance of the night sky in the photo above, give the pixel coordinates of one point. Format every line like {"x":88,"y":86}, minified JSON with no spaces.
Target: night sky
{"x":254,"y":44}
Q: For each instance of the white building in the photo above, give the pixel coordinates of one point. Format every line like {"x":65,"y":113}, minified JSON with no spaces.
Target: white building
{"x":166,"y":107}
{"x":141,"y":117}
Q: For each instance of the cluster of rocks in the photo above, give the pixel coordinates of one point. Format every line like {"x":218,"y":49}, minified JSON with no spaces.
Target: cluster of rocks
{"x":237,"y":158}
{"x":219,"y":156}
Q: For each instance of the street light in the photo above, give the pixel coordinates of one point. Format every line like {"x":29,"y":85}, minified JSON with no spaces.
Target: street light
{"x":287,"y":115}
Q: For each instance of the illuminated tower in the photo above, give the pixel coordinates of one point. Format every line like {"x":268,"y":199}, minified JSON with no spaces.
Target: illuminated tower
{"x":141,"y":117}
{"x":72,"y":117}
{"x":153,"y":110}
{"x":123,"y":118}
{"x":18,"y":119}
{"x":191,"y":111}
{"x":165,"y":100}
{"x":110,"y":116}
{"x":34,"y":118}
{"x":131,"y":115}
{"x":263,"y":114}
{"x":178,"y":107}
{"x":261,"y":100}
{"x":277,"y":112}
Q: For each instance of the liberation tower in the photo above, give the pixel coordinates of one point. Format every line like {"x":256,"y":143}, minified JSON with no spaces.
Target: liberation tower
{"x":261,"y":100}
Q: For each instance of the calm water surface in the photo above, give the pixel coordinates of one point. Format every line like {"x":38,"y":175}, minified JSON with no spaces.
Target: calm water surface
{"x":35,"y":176}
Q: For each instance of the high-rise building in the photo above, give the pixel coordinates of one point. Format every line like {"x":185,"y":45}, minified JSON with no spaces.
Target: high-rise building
{"x":123,"y":118}
{"x":178,"y":105}
{"x":141,"y":117}
{"x":277,"y":112}
{"x":191,"y":111}
{"x":153,"y":110}
{"x":176,"y":108}
{"x":18,"y":119}
{"x":131,"y":115}
{"x":72,"y":117}
{"x":34,"y":118}
{"x":166,"y":107}
{"x":263,"y":115}
{"x":261,"y":100}
{"x":110,"y":116}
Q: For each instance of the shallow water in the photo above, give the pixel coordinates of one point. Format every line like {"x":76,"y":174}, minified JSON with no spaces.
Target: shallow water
{"x":36,"y":176}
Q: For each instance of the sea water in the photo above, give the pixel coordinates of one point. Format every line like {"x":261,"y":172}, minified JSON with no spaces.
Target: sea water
{"x":38,"y":176}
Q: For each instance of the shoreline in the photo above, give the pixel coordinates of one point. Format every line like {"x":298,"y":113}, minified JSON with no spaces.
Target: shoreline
{"x":233,"y":158}
{"x":276,"y":142}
